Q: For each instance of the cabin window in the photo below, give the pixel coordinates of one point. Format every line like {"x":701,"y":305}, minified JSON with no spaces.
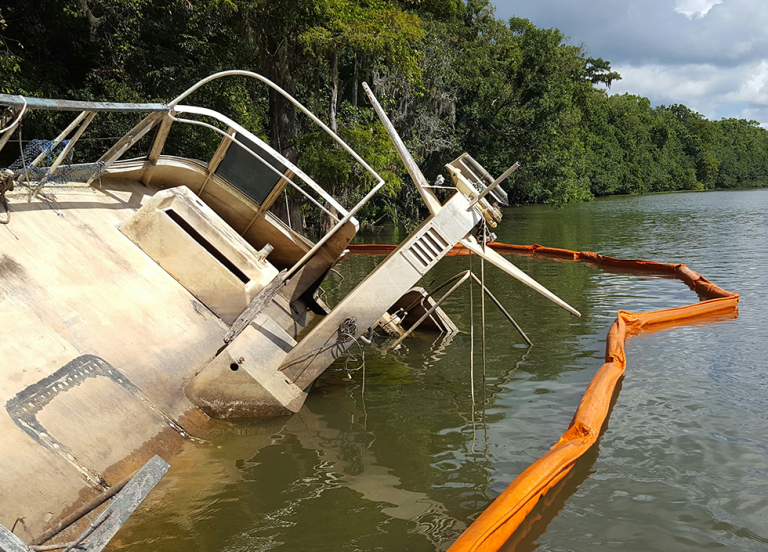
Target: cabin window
{"x":246,"y":173}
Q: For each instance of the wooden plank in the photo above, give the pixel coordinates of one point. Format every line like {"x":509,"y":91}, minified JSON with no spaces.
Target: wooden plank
{"x":218,"y":155}
{"x":162,"y":134}
{"x":258,"y":303}
{"x":72,"y":141}
{"x":133,"y":136}
{"x":59,"y":138}
{"x":157,"y":148}
{"x":221,"y":151}
{"x":10,"y":542}
{"x":112,"y":518}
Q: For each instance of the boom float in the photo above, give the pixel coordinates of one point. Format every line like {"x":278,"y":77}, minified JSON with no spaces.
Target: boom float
{"x":490,"y":531}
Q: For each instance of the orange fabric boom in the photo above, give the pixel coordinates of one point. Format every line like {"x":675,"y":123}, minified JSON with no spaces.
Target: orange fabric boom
{"x":496,"y":524}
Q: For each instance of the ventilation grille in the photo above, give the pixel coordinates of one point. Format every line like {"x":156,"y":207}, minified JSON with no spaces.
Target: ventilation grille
{"x":426,"y":250}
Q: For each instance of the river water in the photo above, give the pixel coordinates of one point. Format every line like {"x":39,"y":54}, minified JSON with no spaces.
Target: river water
{"x":394,"y":457}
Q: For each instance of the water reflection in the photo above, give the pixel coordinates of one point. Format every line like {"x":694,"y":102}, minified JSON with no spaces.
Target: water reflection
{"x":409,"y":462}
{"x":231,"y":481}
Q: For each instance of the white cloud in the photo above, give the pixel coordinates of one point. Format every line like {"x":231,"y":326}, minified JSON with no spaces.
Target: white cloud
{"x":711,"y":55}
{"x":665,"y":84}
{"x":740,"y":91}
{"x":753,"y":89}
{"x":695,"y":8}
{"x":654,"y":30}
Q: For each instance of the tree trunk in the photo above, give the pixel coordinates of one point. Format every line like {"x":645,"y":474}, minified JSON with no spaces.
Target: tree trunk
{"x":334,"y":91}
{"x":282,"y":113}
{"x":290,"y":212}
{"x":354,"y":84}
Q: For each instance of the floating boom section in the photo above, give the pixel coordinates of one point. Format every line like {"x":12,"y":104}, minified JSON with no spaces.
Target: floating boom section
{"x":491,"y":531}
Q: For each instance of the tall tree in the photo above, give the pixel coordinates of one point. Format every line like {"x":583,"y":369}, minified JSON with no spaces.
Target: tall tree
{"x":374,"y":30}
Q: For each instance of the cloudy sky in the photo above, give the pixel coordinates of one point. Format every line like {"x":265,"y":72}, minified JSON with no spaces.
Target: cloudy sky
{"x":710,"y":55}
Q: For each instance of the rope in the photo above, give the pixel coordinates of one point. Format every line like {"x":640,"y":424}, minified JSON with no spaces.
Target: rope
{"x":18,"y":118}
{"x":7,"y":184}
{"x":347,"y":331}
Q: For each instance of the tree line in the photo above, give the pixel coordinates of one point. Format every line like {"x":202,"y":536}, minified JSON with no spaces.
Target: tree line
{"x":453,"y":77}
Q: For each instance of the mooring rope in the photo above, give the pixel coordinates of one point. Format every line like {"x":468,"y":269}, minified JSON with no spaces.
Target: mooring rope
{"x":7,"y":184}
{"x":18,"y":117}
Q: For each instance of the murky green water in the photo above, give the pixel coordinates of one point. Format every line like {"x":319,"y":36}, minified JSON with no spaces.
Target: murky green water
{"x":404,"y":463}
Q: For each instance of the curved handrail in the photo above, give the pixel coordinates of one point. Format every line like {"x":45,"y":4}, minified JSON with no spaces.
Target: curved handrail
{"x":294,"y":101}
{"x":240,"y":130}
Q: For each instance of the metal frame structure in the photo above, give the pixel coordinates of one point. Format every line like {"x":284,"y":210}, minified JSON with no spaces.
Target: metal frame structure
{"x":166,"y":115}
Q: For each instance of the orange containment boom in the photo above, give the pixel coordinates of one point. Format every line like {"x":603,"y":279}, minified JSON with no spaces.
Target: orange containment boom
{"x":493,"y":528}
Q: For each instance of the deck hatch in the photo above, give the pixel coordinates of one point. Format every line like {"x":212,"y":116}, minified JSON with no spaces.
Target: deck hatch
{"x":200,"y":251}
{"x":208,"y":246}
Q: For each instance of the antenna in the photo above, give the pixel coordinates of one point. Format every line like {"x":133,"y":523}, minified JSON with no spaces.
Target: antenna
{"x":429,"y":197}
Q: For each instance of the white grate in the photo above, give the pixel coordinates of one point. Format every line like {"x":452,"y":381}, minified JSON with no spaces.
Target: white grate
{"x":426,"y":250}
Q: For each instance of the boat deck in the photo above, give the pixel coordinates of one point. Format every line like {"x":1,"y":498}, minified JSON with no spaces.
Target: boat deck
{"x":97,"y":337}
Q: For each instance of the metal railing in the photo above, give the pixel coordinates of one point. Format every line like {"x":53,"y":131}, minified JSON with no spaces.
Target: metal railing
{"x":158,"y":112}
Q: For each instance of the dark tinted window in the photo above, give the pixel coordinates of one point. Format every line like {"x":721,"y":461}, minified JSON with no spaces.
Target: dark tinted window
{"x":248,"y":174}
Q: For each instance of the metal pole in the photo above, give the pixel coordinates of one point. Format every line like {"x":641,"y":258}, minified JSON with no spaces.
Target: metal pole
{"x":429,"y":197}
{"x":505,"y":313}
{"x":333,"y":230}
{"x":496,"y":182}
{"x":472,"y":342}
{"x":430,"y":311}
{"x":482,"y":300}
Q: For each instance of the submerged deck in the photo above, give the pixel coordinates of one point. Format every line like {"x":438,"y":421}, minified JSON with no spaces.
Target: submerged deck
{"x":60,"y":259}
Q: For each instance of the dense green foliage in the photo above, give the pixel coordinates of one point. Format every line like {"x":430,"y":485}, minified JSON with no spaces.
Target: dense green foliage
{"x":453,"y":77}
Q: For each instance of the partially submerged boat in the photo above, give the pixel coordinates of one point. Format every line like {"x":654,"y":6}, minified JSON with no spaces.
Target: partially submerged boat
{"x":142,"y":296}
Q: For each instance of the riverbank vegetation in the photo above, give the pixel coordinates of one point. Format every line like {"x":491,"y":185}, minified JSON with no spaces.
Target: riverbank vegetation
{"x":453,"y":77}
